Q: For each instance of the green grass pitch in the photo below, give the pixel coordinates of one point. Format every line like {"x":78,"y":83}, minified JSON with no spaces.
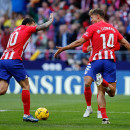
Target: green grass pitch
{"x":66,"y":113}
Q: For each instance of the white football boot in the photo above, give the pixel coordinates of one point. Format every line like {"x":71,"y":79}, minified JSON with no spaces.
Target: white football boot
{"x":99,"y":79}
{"x":99,"y":115}
{"x":88,"y":112}
{"x":105,"y":121}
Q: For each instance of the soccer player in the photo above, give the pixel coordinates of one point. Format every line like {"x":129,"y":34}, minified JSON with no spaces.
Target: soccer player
{"x":87,"y":90}
{"x":103,"y":37}
{"x":88,"y":72}
{"x":11,"y":62}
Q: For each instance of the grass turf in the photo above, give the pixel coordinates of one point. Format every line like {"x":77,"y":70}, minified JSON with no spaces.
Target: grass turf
{"x":66,"y":113}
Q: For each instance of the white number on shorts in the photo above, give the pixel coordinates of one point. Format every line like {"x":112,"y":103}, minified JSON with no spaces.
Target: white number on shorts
{"x":110,"y":42}
{"x":13,"y":37}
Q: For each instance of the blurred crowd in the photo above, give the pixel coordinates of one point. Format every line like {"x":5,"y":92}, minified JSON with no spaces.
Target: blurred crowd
{"x":71,"y":20}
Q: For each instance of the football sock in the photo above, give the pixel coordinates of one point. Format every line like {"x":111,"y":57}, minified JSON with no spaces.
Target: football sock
{"x":26,"y":101}
{"x":99,"y":108}
{"x":25,"y":115}
{"x":88,"y":95}
{"x":105,"y":83}
{"x":103,"y":112}
{"x":88,"y":107}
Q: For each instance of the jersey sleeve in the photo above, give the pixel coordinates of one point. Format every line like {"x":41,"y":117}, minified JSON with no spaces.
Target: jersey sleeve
{"x":119,"y":36}
{"x":88,"y":34}
{"x":85,"y":45}
{"x":31,"y":29}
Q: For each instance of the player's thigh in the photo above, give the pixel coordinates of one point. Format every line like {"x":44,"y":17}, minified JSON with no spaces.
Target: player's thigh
{"x":88,"y":76}
{"x":113,"y":84}
{"x":5,"y":75}
{"x":97,"y":67}
{"x":3,"y":86}
{"x":101,"y":90}
{"x":17,"y":70}
{"x":109,"y":71}
{"x":24,"y":84}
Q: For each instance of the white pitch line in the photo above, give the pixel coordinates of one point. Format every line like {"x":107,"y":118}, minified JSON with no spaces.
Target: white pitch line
{"x":66,"y":111}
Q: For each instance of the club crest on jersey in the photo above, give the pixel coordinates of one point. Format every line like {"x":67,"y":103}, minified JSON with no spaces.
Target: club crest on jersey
{"x":86,"y":34}
{"x":98,"y":31}
{"x":86,"y":71}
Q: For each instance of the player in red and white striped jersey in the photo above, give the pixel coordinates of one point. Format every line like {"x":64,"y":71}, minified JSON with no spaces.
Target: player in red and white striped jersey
{"x":87,"y":46}
{"x":18,"y":42}
{"x":100,"y":33}
{"x":87,"y":90}
{"x":11,"y":62}
{"x":103,"y":38}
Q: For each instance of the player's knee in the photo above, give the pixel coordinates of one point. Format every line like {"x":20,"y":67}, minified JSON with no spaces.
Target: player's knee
{"x":2,"y":92}
{"x":27,"y":87}
{"x":87,"y":84}
{"x":112,"y":94}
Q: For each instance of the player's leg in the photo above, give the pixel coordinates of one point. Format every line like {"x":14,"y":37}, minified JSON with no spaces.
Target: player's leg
{"x":87,"y":89}
{"x":98,"y":67}
{"x":109,"y":77}
{"x":3,"y":86}
{"x":4,"y":77}
{"x":26,"y":100}
{"x":25,"y":95}
{"x":99,"y":115}
{"x":17,"y":70}
{"x":110,"y":89}
{"x":102,"y":104}
{"x":88,"y":95}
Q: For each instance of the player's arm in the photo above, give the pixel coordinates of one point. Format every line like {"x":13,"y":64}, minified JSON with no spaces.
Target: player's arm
{"x":70,"y":46}
{"x":86,"y":47}
{"x":86,"y":36}
{"x":117,"y":47}
{"x":45,"y":25}
{"x":125,"y":43}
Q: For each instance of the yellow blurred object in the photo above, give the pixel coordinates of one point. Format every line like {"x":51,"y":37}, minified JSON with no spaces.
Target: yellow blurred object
{"x":7,"y":23}
{"x":19,"y":22}
{"x":35,"y":55}
{"x":34,"y":1}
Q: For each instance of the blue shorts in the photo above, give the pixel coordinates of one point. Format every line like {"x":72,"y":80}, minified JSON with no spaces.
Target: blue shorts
{"x":89,"y":71}
{"x":15,"y":68}
{"x":106,"y":67}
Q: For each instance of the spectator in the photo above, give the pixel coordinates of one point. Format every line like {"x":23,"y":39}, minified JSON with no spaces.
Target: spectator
{"x":7,"y":21}
{"x":0,"y":38}
{"x":5,"y":8}
{"x":62,"y":38}
{"x":49,"y":53}
{"x":5,"y":37}
{"x":41,"y":40}
{"x":19,"y":20}
{"x":79,"y":56}
{"x":46,"y":10}
{"x":41,"y":17}
{"x":30,"y":49}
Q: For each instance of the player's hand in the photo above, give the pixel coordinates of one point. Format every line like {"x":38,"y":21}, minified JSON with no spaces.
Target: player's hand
{"x":89,"y":48}
{"x":51,"y":18}
{"x":60,"y":49}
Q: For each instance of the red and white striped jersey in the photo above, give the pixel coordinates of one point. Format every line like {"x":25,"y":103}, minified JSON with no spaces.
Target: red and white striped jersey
{"x":88,"y":43}
{"x":18,"y":42}
{"x":104,"y":40}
